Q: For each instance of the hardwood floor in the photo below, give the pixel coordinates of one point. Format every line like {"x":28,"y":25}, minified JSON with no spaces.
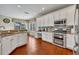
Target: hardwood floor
{"x":39,"y":47}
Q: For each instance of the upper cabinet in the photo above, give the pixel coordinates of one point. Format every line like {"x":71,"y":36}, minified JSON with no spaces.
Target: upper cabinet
{"x":46,"y":20}
{"x":41,"y":21}
{"x":50,"y":20}
{"x":38,"y":22}
{"x":65,"y":13}
{"x":62,"y":14}
{"x":70,"y":43}
{"x":56,"y":15}
{"x":70,"y":13}
{"x":76,"y":17}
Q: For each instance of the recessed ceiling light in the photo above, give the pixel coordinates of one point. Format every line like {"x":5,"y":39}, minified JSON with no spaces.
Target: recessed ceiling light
{"x":19,"y":6}
{"x":43,"y":9}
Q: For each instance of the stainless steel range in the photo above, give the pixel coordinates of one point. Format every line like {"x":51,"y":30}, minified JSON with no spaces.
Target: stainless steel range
{"x":60,"y":39}
{"x":60,"y":33}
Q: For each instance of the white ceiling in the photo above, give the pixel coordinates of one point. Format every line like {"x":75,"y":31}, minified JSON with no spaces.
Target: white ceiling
{"x":34,"y":10}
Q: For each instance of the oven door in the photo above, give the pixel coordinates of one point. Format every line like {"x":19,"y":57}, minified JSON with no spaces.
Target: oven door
{"x":58,"y":39}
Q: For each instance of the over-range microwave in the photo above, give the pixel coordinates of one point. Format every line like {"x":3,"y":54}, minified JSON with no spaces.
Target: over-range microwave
{"x":63,"y":21}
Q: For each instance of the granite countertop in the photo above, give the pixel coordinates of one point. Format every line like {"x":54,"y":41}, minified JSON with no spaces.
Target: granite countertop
{"x":11,"y":32}
{"x":62,"y":33}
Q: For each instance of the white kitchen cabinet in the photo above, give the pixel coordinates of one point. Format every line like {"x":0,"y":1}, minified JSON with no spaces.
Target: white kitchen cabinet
{"x":41,"y":21}
{"x":45,"y":20}
{"x":70,"y":41}
{"x":6,"y":45}
{"x":76,"y":17}
{"x":56,"y":15}
{"x":38,"y":22}
{"x":19,"y":40}
{"x":62,"y":13}
{"x":70,"y":14}
{"x":46,"y":36}
{"x":22,"y":39}
{"x":50,"y":37}
{"x":36,"y":35}
{"x":0,"y":49}
{"x":14,"y":42}
{"x":48,"y":20}
{"x":9,"y":43}
{"x":51,"y":19}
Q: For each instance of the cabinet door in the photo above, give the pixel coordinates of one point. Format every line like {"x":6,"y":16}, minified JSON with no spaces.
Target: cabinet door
{"x":47,"y":37}
{"x":44,"y":36}
{"x":22,"y":39}
{"x":14,"y":42}
{"x":50,"y":37}
{"x":38,"y":22}
{"x":51,"y":19}
{"x":56,"y":15}
{"x":62,"y":13}
{"x":41,"y":21}
{"x":70,"y":41}
{"x":6,"y":45}
{"x":76,"y":17}
{"x":70,"y":15}
{"x":45,"y":20}
{"x":19,"y":40}
{"x":48,"y":20}
{"x":0,"y":49}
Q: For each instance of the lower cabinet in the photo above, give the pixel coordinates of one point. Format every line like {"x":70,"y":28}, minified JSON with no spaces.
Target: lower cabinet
{"x":47,"y":36}
{"x":14,"y":42}
{"x":44,"y":37}
{"x":33,"y":33}
{"x":0,"y":49}
{"x":70,"y":42}
{"x":22,"y":39}
{"x":6,"y":45}
{"x":9,"y":43}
